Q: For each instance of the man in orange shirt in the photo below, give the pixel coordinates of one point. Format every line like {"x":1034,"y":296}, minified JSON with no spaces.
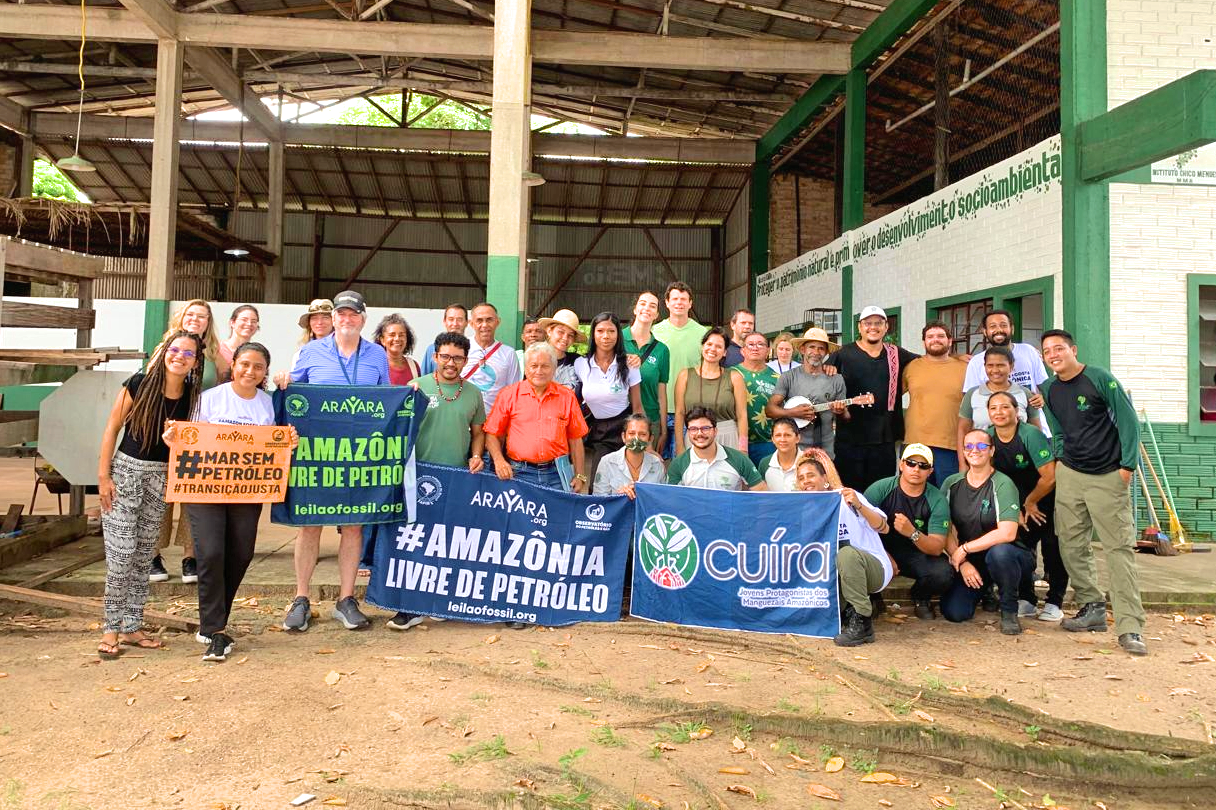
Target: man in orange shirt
{"x":534,"y":422}
{"x":931,"y":418}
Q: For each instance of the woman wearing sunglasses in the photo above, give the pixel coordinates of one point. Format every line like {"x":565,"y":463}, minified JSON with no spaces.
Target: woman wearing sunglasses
{"x":983,"y":541}
{"x":131,"y":483}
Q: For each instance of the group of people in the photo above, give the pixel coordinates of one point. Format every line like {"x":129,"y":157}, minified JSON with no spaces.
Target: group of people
{"x":989,"y":460}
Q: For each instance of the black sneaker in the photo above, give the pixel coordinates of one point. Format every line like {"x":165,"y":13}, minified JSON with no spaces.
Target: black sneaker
{"x":221,"y":644}
{"x":923,"y":609}
{"x":404,"y":621}
{"x":1133,"y":643}
{"x":298,"y":615}
{"x":347,"y":611}
{"x":1010,"y":626}
{"x":1091,"y":617}
{"x":516,"y":625}
{"x":189,"y":570}
{"x":157,"y":572}
{"x":856,"y":630}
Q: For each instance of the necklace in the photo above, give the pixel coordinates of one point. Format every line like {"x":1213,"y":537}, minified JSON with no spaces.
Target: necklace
{"x":634,"y":472}
{"x":439,"y":388}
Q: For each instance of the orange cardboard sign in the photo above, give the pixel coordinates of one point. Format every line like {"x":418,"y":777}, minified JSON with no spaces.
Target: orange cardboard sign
{"x":229,"y":463}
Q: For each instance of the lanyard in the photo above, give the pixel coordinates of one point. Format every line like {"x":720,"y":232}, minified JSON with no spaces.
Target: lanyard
{"x":351,"y":378}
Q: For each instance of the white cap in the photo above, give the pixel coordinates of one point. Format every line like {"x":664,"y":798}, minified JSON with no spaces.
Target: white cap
{"x":871,"y":311}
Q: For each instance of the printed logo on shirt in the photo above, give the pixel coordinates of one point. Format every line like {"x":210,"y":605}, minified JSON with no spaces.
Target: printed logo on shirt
{"x":1044,"y":453}
{"x":985,"y":505}
{"x":918,"y":523}
{"x":1112,"y":385}
{"x":1082,"y":403}
{"x":297,"y":404}
{"x":1020,"y":460}
{"x":668,"y":551}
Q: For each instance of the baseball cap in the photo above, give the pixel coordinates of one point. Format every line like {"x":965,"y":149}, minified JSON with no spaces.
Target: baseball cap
{"x":917,"y":449}
{"x":349,"y":299}
{"x":871,"y":311}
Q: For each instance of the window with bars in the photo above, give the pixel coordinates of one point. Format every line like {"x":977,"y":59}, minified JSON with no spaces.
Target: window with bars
{"x":966,"y":322}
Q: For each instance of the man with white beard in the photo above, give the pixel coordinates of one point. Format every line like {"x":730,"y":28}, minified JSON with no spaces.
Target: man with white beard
{"x":811,"y":382}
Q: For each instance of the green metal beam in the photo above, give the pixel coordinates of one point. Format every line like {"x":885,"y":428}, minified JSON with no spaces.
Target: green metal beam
{"x":1086,"y":205}
{"x":887,"y":28}
{"x":502,"y":290}
{"x":803,"y":111}
{"x":758,"y":219}
{"x":853,"y":184}
{"x":1164,"y":122}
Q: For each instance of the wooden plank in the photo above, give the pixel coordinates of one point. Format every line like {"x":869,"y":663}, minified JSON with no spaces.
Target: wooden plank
{"x":38,"y":538}
{"x":17,"y":416}
{"x":87,"y":557}
{"x":30,"y":260}
{"x":90,"y":607}
{"x":11,"y":518}
{"x":45,"y":316}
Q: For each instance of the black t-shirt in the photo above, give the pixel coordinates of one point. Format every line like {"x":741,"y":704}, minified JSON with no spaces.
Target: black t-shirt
{"x":929,"y":513}
{"x":975,"y":511}
{"x":176,"y":409}
{"x":1098,"y":427}
{"x":1020,"y":459}
{"x":870,"y":375}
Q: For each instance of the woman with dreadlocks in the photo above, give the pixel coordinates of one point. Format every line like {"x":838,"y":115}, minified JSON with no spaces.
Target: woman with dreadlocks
{"x":131,"y":483}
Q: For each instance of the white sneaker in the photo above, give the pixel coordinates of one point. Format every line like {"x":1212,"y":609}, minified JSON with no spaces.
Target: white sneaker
{"x":1050,"y":613}
{"x":1026,"y":609}
{"x":201,"y":639}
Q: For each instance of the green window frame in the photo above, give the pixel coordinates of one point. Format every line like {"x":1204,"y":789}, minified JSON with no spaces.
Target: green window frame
{"x":1201,"y":361}
{"x":1006,"y":296}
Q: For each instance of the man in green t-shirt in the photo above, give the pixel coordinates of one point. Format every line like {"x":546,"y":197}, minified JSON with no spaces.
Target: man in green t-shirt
{"x":983,"y":540}
{"x":682,"y":336}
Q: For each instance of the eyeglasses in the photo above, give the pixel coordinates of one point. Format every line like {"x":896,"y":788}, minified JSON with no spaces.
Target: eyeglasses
{"x":913,"y":464}
{"x":755,"y":345}
{"x":451,"y":358}
{"x":976,"y":446}
{"x":702,"y":429}
{"x":185,"y":353}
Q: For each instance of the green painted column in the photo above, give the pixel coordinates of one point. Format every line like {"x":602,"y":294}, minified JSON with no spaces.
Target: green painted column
{"x":503,"y":291}
{"x":156,"y":321}
{"x":1086,"y":206}
{"x":853,"y":204}
{"x":758,"y":224}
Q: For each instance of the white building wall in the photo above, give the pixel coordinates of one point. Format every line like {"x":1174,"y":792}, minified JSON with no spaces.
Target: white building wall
{"x":1159,"y":233}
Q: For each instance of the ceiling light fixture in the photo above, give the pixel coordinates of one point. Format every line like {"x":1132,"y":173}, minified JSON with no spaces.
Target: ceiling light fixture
{"x":532,"y":179}
{"x":76,"y":163}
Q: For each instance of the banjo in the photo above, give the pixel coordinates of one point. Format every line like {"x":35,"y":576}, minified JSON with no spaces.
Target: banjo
{"x":862,"y":400}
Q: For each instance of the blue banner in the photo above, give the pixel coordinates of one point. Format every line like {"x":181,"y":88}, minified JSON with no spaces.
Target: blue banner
{"x":351,"y":464}
{"x":764,"y":562}
{"x":485,"y":550}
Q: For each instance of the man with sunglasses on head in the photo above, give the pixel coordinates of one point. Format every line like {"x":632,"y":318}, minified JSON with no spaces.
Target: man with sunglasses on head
{"x":920,"y":519}
{"x":983,"y":541}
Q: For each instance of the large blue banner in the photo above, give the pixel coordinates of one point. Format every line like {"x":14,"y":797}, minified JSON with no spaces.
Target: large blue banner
{"x":350,"y":466}
{"x":756,"y":561}
{"x":485,"y":550}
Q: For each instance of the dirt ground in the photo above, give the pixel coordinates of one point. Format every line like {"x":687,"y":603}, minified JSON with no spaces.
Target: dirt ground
{"x":460,"y":715}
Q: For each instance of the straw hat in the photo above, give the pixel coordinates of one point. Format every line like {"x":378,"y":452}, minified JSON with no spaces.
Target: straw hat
{"x":814,"y":333}
{"x":567,"y":318}
{"x":319,"y":306}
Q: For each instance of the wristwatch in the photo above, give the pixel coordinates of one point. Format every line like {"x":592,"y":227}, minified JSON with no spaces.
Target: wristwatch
{"x":581,"y":477}
{"x":915,"y":536}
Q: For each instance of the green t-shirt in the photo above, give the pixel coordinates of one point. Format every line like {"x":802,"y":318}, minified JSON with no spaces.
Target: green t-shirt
{"x":655,"y":369}
{"x":760,"y":386}
{"x":684,"y":348}
{"x":444,"y":437}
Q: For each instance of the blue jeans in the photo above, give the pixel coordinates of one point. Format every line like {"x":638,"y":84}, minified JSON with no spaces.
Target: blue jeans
{"x":541,"y":475}
{"x":1007,"y":565}
{"x":757,"y":452}
{"x":945,"y":464}
{"x":669,"y":449}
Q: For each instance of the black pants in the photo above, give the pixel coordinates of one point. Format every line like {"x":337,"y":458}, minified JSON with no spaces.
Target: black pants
{"x":224,"y":536}
{"x":1053,"y":564}
{"x":1008,"y":566}
{"x":932,"y":575}
{"x":860,"y":465}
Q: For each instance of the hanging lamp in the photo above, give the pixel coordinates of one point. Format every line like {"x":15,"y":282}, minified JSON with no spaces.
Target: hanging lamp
{"x":76,"y":163}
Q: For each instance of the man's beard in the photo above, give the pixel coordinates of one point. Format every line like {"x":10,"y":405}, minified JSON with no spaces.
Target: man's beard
{"x":938,"y":351}
{"x":815,"y":362}
{"x":999,"y":339}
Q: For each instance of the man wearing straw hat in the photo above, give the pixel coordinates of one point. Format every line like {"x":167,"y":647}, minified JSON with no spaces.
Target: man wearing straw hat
{"x":806,"y":385}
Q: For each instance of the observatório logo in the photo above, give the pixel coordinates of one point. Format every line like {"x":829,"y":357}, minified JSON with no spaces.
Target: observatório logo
{"x":668,"y":551}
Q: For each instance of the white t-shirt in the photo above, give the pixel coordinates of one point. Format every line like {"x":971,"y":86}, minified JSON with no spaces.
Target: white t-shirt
{"x":603,"y":392}
{"x":501,"y":370}
{"x":855,"y":530}
{"x":1028,"y":370}
{"x":221,"y":406}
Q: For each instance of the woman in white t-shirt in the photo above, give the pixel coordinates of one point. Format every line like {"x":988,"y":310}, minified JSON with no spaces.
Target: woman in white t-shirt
{"x":609,"y":390}
{"x":225,"y":533}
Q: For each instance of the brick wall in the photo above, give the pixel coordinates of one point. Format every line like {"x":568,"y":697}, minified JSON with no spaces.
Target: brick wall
{"x":816,"y":202}
{"x":1188,"y":462}
{"x":8,"y":169}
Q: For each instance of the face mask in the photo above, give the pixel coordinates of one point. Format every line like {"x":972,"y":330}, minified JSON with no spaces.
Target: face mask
{"x":636,"y":445}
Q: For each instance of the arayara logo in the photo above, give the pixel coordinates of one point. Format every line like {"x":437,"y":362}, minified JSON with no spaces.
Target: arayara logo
{"x":595,"y":512}
{"x":510,"y":501}
{"x":668,"y":551}
{"x":352,"y":404}
{"x":429,"y":489}
{"x":297,"y":404}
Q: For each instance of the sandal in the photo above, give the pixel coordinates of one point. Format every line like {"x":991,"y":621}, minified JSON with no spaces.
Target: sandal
{"x":108,"y":650}
{"x":143,"y":642}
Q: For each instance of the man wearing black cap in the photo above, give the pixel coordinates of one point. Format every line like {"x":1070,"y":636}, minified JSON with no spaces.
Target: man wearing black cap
{"x":342,"y":358}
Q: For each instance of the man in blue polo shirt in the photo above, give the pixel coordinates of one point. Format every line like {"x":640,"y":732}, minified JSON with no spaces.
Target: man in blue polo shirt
{"x":342,"y":358}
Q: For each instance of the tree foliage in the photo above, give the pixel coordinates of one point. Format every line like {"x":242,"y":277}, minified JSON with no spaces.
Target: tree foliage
{"x":52,"y":183}
{"x":445,"y":115}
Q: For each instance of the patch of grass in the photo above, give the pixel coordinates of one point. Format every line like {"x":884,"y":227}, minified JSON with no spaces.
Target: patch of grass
{"x":14,"y":794}
{"x":568,"y":759}
{"x":492,"y":749}
{"x":742,"y":728}
{"x":893,"y":675}
{"x":579,"y":710}
{"x":481,"y":696}
{"x":606,"y":736}
{"x":865,"y":761}
{"x":826,"y":752}
{"x":538,"y":662}
{"x":1033,"y":732}
{"x":580,"y":800}
{"x":5,"y":731}
{"x":786,"y":746}
{"x":901,"y":709}
{"x":933,"y":682}
{"x":784,"y":705}
{"x":459,"y":721}
{"x":678,"y":732}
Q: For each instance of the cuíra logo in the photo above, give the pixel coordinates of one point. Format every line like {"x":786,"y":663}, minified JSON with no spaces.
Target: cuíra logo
{"x":297,"y":404}
{"x":668,"y":551}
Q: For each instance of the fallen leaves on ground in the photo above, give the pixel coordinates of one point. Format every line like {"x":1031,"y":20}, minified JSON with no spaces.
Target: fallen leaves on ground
{"x":1198,"y":658}
{"x":922,"y":715}
{"x":332,"y":677}
{"x":834,"y":764}
{"x":822,"y":792}
{"x":176,"y":734}
{"x":526,"y":784}
{"x":941,"y":801}
{"x":650,"y":800}
{"x":735,"y":771}
{"x":701,"y":734}
{"x":743,"y":789}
